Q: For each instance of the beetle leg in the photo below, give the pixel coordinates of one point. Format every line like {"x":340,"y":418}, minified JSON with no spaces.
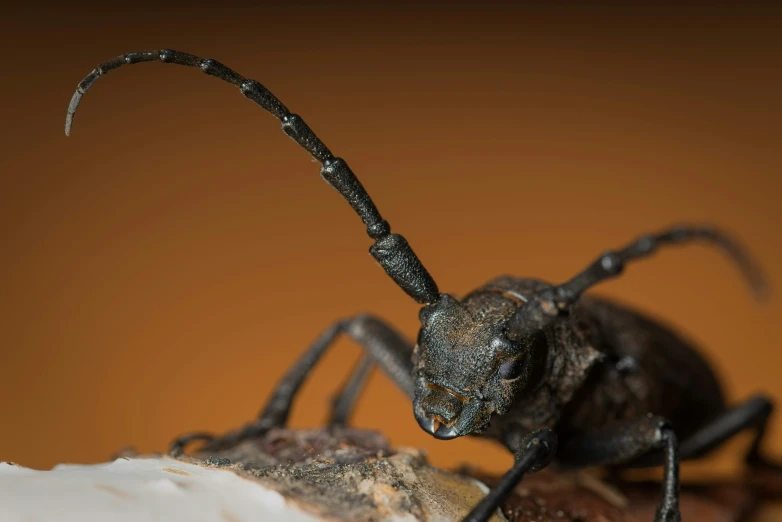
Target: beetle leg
{"x":345,"y":399}
{"x":386,"y":347}
{"x":753,"y":413}
{"x":538,"y":450}
{"x":624,"y":444}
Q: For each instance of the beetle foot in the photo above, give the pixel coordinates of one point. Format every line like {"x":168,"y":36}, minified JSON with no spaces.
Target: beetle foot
{"x":179,"y":444}
{"x":223,"y":442}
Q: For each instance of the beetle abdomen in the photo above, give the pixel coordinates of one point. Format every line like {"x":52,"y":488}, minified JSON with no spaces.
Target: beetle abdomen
{"x":661,"y":372}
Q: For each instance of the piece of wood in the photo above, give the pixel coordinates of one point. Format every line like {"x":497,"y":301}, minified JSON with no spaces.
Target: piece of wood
{"x":317,"y":475}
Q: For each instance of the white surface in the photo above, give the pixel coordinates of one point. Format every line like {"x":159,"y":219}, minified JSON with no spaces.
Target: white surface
{"x":138,"y":490}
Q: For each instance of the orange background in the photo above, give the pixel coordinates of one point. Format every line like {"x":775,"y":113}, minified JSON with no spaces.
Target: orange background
{"x":163,"y":266}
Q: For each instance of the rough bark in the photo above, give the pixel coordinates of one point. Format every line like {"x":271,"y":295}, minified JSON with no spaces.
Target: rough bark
{"x":311,"y":475}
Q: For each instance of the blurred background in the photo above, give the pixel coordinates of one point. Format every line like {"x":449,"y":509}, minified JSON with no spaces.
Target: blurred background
{"x":161,"y":268}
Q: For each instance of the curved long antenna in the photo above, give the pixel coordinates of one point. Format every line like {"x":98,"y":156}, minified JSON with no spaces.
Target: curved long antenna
{"x":545,"y":307}
{"x":390,"y":250}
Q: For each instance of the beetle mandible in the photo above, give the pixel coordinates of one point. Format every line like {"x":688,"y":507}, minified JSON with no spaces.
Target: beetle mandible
{"x":550,"y":373}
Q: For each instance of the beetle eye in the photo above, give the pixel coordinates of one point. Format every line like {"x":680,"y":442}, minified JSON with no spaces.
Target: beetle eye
{"x":512,"y":368}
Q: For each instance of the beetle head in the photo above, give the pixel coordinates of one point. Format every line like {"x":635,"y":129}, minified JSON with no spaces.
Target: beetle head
{"x":466,"y":369}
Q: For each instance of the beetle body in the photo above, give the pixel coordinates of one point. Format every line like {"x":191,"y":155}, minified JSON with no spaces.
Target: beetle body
{"x":599,"y":366}
{"x":596,"y":367}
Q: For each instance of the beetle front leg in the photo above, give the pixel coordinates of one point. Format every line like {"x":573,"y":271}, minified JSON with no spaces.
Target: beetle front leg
{"x":534,"y":455}
{"x":386,"y":347}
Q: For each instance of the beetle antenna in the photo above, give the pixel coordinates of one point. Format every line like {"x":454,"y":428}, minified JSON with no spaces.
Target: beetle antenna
{"x":545,"y":307}
{"x":390,"y":250}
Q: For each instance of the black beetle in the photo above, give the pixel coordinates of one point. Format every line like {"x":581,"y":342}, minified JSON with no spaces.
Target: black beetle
{"x":550,"y":373}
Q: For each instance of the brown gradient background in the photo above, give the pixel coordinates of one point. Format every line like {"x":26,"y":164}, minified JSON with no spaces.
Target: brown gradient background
{"x":162,"y":267}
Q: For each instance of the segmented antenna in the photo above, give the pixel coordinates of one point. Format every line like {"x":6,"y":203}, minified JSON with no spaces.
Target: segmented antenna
{"x":545,"y":307}
{"x":390,"y":250}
